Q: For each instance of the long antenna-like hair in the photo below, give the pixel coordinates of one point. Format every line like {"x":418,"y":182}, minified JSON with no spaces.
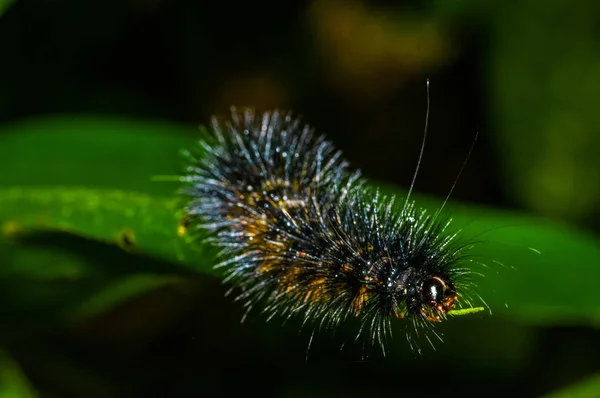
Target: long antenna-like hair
{"x":412,"y":184}
{"x":457,"y":176}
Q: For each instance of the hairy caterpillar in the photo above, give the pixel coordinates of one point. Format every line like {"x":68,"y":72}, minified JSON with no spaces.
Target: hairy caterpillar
{"x":302,"y":234}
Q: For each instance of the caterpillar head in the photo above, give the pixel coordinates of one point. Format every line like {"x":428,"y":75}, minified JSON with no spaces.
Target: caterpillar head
{"x":429,"y":296}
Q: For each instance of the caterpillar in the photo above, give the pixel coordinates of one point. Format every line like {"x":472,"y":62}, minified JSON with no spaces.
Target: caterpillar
{"x":300,"y":234}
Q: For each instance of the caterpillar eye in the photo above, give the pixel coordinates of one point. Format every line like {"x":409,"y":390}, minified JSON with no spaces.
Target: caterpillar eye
{"x":438,"y":293}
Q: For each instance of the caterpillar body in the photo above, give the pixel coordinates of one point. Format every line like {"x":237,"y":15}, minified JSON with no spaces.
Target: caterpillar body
{"x":302,"y":234}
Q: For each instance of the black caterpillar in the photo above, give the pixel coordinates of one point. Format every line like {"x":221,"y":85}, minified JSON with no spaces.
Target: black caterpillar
{"x":301,"y":234}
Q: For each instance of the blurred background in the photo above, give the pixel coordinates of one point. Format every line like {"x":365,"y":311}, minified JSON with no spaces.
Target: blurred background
{"x":524,"y":75}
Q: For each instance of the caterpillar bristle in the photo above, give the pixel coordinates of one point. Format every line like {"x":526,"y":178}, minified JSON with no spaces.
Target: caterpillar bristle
{"x":302,"y":235}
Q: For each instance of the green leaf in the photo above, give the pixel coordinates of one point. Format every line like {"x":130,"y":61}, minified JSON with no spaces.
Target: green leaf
{"x":119,"y":291}
{"x":59,"y":373}
{"x":93,"y":151}
{"x":587,"y":388}
{"x":44,"y":264}
{"x":13,"y":383}
{"x":49,"y":283}
{"x":539,"y":271}
{"x":51,"y":279}
{"x":4,"y":5}
{"x":136,"y":222}
{"x":45,"y":281}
